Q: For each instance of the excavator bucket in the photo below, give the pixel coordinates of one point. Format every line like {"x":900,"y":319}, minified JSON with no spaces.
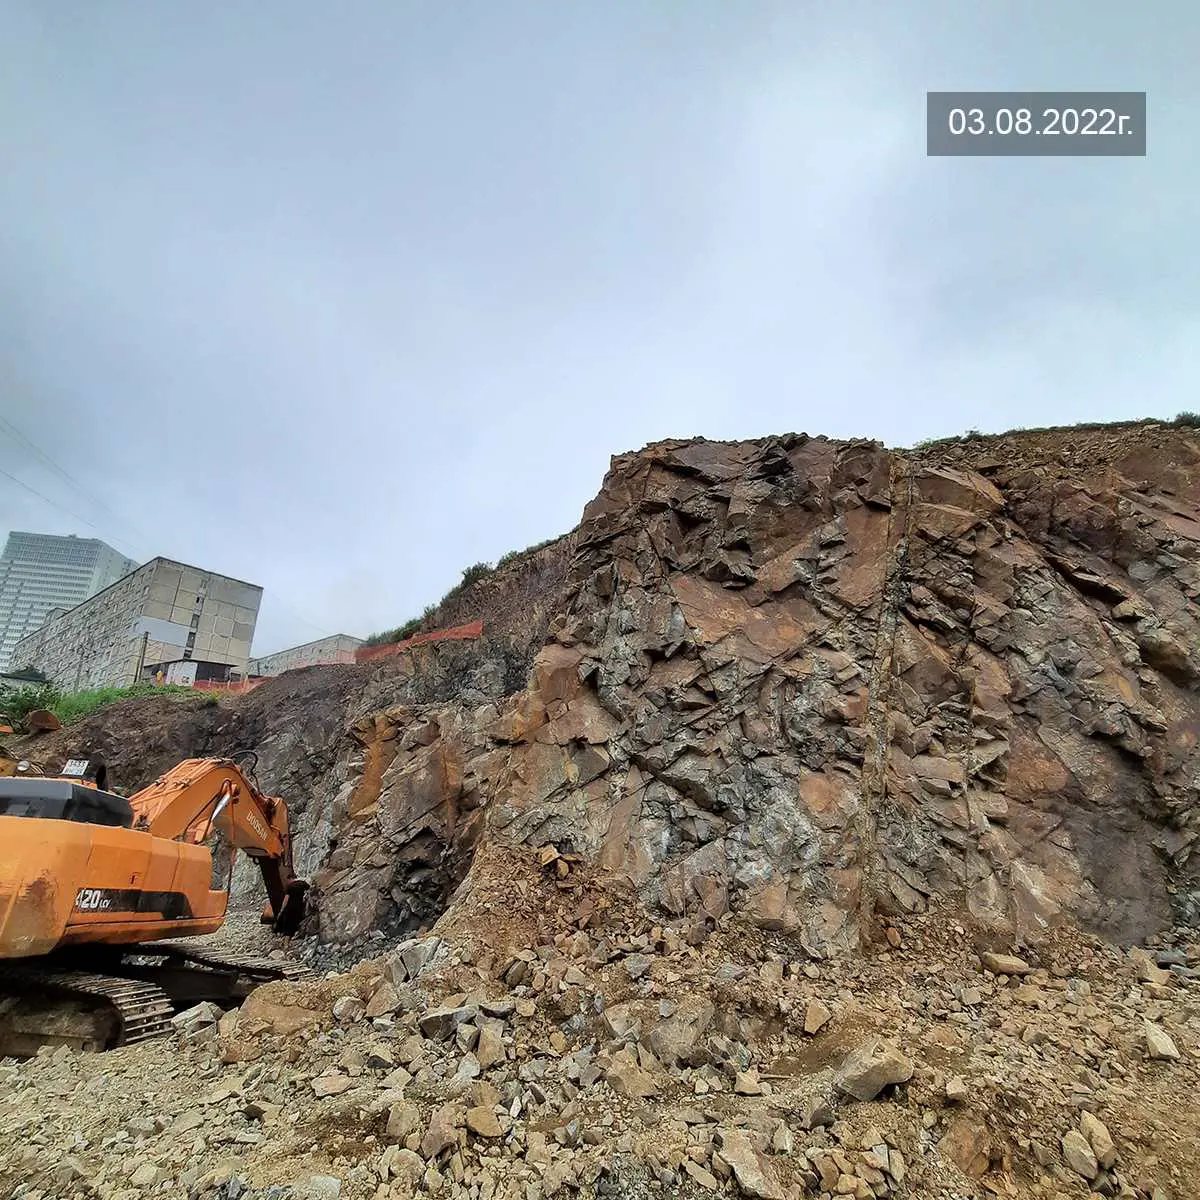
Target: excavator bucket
{"x":292,"y":911}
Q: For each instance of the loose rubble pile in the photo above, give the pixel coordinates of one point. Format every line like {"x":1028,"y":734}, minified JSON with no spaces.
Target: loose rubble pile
{"x":608,"y":1055}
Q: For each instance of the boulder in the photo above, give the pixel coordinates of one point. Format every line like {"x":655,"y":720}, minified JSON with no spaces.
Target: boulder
{"x":273,"y":1006}
{"x":870,"y":1067}
{"x":754,"y":1175}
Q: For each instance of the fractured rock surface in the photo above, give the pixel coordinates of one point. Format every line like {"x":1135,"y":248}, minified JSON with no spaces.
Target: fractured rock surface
{"x":814,"y":681}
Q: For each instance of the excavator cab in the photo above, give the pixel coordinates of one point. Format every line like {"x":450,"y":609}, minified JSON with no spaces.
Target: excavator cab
{"x":62,"y":800}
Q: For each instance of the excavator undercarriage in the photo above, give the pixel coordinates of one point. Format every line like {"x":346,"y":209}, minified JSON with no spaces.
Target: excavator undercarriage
{"x":98,"y":1002}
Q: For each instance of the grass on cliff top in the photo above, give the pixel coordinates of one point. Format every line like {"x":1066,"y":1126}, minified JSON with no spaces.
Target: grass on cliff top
{"x":470,"y":576}
{"x":1188,"y":419}
{"x":68,"y":707}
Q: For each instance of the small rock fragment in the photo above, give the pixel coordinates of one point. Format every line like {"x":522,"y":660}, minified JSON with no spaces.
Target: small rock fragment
{"x":331,"y":1085}
{"x":816,"y":1111}
{"x":442,"y":1132}
{"x":815,"y":1016}
{"x":348,"y":1010}
{"x":318,"y":1187}
{"x":1100,"y":1140}
{"x":404,"y":1118}
{"x":968,"y":1144}
{"x":1077,"y":1154}
{"x":754,"y":1175}
{"x":441,"y":1023}
{"x":384,"y":999}
{"x":1159,"y":1044}
{"x":746,"y":1083}
{"x":483,"y":1122}
{"x":1005,"y":964}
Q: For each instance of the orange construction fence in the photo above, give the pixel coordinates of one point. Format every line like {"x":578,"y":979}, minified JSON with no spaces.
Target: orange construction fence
{"x":459,"y":633}
{"x":235,"y":689}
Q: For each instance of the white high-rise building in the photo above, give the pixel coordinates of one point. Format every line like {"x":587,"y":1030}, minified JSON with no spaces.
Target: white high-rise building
{"x":40,"y":572}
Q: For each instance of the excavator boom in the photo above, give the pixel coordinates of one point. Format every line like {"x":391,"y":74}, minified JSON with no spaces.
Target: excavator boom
{"x":202,"y":793}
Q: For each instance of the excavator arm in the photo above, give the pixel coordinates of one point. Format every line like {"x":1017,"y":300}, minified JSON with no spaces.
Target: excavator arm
{"x":202,"y":793}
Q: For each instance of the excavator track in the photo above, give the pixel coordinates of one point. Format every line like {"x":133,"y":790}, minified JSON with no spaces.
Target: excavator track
{"x":256,"y":968}
{"x":130,"y":1011}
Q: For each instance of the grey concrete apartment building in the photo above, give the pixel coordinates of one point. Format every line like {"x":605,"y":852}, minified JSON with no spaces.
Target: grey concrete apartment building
{"x":41,"y":572}
{"x":191,"y":625}
{"x":337,"y":648}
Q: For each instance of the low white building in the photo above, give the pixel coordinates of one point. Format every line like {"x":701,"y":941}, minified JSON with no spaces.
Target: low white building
{"x":166,"y":618}
{"x":337,"y":648}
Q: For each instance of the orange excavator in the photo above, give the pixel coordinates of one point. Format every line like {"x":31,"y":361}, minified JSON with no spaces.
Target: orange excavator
{"x":93,"y":884}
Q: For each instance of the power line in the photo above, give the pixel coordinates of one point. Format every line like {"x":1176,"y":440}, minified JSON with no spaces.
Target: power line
{"x":19,"y":436}
{"x":14,"y":432}
{"x":301,"y":617}
{"x":52,"y":503}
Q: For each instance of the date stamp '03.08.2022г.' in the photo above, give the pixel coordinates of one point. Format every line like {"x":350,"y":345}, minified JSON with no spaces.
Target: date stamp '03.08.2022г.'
{"x":1045,"y":124}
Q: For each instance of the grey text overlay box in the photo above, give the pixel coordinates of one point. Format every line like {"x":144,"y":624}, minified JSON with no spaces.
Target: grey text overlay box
{"x":1045,"y":124}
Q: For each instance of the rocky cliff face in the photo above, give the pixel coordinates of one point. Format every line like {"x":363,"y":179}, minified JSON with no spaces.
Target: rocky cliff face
{"x":815,"y":682}
{"x":820,"y":681}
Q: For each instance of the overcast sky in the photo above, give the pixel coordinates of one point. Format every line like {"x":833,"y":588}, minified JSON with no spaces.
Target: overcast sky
{"x":340,"y":298}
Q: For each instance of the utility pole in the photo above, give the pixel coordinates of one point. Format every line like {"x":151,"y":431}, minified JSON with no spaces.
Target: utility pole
{"x":141,"y":662}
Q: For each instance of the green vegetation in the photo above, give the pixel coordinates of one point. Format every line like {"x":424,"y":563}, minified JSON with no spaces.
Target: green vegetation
{"x":407,"y":630}
{"x":513,"y":555}
{"x":68,"y":707}
{"x":471,"y":576}
{"x":972,"y":435}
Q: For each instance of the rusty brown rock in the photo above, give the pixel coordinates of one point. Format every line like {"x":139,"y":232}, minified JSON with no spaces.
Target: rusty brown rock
{"x":968,"y":1144}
